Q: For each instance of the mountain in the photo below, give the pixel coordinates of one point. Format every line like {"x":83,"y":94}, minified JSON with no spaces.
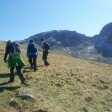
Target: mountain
{"x":66,"y":41}
{"x":104,"y":41}
{"x":61,"y":38}
{"x":97,"y":48}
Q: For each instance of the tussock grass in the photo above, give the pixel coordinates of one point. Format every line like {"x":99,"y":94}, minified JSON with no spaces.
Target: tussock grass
{"x":67,"y":85}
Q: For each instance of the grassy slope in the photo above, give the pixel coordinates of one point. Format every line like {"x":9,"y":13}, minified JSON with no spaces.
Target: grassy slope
{"x":67,"y":85}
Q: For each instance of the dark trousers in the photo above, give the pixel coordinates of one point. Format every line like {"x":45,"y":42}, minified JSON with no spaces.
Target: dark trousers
{"x":33,"y":62}
{"x":19,"y":72}
{"x":44,"y":57}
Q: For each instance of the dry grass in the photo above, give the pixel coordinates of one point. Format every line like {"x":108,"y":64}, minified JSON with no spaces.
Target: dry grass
{"x":67,"y":85}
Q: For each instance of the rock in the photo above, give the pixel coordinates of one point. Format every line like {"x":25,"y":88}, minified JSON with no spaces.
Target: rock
{"x":25,"y":96}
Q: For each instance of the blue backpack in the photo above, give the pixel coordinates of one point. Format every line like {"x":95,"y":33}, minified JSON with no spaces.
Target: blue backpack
{"x":32,"y":48}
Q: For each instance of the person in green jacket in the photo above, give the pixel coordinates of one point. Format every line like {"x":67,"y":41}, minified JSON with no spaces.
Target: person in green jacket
{"x":14,"y":60}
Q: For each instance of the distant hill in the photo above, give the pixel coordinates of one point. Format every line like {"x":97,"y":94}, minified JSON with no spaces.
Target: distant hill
{"x":66,"y":41}
{"x":96,"y":48}
{"x":61,"y":38}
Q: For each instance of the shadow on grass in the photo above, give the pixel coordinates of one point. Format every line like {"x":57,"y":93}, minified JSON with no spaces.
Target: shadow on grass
{"x":30,"y":67}
{"x":4,"y":75}
{"x":26,"y":68}
{"x":9,"y":88}
{"x":25,"y":71}
{"x":4,"y":83}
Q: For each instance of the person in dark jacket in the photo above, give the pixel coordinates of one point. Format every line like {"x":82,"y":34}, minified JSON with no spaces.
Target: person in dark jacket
{"x":45,"y":47}
{"x":14,"y":61}
{"x":32,"y":54}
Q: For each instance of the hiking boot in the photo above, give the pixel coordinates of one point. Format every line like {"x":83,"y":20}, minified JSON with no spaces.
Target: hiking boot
{"x":10,"y":81}
{"x":22,"y":80}
{"x":47,"y":64}
{"x":25,"y":83}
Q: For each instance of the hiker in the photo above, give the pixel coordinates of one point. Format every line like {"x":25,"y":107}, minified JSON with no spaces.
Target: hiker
{"x":32,"y":54}
{"x":45,"y":47}
{"x":14,"y":60}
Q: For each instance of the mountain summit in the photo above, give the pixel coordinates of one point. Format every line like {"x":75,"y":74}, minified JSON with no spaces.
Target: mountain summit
{"x":106,"y":30}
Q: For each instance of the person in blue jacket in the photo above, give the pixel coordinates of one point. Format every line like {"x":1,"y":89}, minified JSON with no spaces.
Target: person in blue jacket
{"x":32,"y":54}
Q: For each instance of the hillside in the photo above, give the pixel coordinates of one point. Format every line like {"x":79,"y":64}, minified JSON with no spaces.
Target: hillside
{"x":67,"y":85}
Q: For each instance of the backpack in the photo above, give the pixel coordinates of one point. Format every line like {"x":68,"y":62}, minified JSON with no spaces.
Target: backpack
{"x":32,"y":48}
{"x":46,"y":46}
{"x":14,"y":50}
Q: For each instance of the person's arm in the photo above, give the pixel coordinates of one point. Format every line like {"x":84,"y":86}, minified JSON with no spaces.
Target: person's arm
{"x":6,"y":53}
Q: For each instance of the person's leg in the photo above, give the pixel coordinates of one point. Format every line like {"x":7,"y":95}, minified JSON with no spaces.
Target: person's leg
{"x":31,"y":62}
{"x":11,"y":75}
{"x":20,"y":74}
{"x":47,"y":63}
{"x":35,"y":63}
{"x":44,"y":57}
{"x":45,"y":54}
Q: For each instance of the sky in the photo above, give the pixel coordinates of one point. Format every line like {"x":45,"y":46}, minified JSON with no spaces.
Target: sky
{"x":20,"y":19}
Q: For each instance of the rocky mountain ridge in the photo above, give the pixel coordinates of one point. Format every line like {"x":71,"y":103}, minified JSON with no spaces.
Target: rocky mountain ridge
{"x":79,"y":45}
